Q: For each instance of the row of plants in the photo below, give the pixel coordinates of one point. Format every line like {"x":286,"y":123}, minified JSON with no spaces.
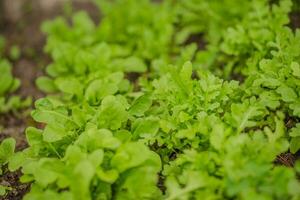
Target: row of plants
{"x":8,"y":85}
{"x":166,"y":100}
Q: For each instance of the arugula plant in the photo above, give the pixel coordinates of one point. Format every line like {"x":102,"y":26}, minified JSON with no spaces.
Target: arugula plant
{"x":8,"y":85}
{"x":237,"y":38}
{"x":7,"y":148}
{"x":128,"y":116}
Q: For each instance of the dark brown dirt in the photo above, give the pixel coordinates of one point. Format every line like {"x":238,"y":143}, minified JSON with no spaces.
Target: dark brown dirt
{"x":198,"y":40}
{"x":295,"y":20}
{"x":14,"y":126}
{"x":286,"y":159}
{"x":11,"y":179}
{"x":92,"y":10}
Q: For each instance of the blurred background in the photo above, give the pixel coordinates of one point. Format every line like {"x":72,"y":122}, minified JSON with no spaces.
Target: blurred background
{"x":20,"y":28}
{"x":14,"y":10}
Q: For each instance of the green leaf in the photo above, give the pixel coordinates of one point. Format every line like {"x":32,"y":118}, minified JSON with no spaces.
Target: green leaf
{"x":15,"y":52}
{"x":3,"y":190}
{"x":287,"y":93}
{"x":2,"y":44}
{"x":186,"y":71}
{"x":109,"y":176}
{"x":83,"y":173}
{"x":130,"y":64}
{"x":34,"y":136}
{"x":70,"y":86}
{"x":195,"y":180}
{"x":99,"y":88}
{"x":53,"y":133}
{"x":295,"y":144}
{"x":243,"y":115}
{"x":6,"y":78}
{"x":112,"y":113}
{"x":140,"y":105}
{"x":74,"y":155}
{"x":46,"y":113}
{"x":129,"y":155}
{"x":295,"y":107}
{"x":7,"y":149}
{"x":96,"y":157}
{"x":123,"y":135}
{"x":16,"y":161}
{"x":94,"y":139}
{"x":295,"y":132}
{"x":103,"y":138}
{"x":296,"y":69}
{"x":145,"y":128}
{"x":139,"y":183}
{"x":43,"y":175}
{"x":297,"y":166}
{"x":217,"y":136}
{"x":46,"y":84}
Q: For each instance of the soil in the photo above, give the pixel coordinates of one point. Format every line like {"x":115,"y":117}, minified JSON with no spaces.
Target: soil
{"x":295,"y":20}
{"x":11,"y":179}
{"x":286,"y":159}
{"x":198,"y":40}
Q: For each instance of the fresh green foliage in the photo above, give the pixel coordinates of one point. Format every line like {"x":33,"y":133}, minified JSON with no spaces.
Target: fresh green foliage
{"x":15,"y":52}
{"x":134,"y":111}
{"x":8,"y":85}
{"x":2,"y":44}
{"x":238,"y":33}
{"x":295,"y":141}
{"x":7,"y":148}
